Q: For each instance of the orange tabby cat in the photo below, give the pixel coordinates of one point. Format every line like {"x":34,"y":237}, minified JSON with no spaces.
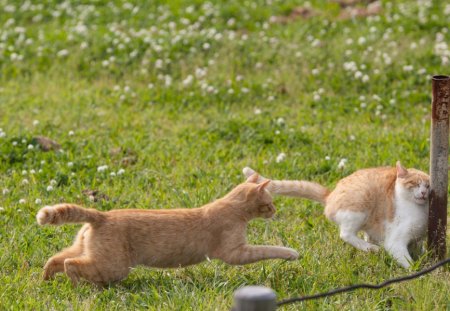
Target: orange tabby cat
{"x":113,"y":242}
{"x":389,"y":204}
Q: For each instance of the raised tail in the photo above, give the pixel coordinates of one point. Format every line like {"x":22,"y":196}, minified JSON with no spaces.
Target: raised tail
{"x":293,"y":188}
{"x":68,"y":213}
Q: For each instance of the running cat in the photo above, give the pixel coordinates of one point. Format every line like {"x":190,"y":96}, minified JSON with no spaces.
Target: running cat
{"x":389,"y":204}
{"x":110,"y":243}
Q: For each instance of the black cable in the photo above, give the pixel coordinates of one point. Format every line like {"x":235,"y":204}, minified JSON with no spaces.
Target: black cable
{"x":369,"y":286}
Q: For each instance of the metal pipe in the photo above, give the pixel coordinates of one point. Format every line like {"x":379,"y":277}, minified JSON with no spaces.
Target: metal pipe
{"x":437,"y":218}
{"x":255,"y":298}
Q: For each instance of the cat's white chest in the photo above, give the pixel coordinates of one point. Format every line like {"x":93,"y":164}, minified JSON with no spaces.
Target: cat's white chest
{"x":410,"y":221}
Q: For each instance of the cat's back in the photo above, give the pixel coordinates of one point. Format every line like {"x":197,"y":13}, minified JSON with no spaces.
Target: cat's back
{"x":369,"y":178}
{"x":364,"y":189}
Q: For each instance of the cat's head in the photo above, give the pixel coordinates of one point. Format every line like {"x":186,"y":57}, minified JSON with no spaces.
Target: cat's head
{"x":255,"y":200}
{"x":414,"y":185}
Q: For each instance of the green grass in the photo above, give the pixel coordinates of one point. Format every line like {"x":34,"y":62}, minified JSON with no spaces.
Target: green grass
{"x":258,"y":89}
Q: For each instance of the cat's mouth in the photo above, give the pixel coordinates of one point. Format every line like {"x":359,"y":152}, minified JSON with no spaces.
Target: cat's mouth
{"x":421,"y":200}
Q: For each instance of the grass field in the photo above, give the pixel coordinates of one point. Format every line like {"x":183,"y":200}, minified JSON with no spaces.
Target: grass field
{"x":191,"y":92}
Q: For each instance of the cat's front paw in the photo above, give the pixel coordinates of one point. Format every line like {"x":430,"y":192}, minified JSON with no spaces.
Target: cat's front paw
{"x":291,"y":254}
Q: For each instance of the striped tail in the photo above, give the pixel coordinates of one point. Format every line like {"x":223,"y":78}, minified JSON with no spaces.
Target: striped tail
{"x":68,"y":213}
{"x":293,"y":188}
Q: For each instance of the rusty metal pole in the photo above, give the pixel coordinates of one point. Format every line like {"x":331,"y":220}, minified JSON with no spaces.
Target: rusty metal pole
{"x":437,"y":218}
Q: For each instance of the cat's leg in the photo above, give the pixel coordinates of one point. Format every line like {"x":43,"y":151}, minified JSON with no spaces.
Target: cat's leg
{"x":56,"y":263}
{"x":248,"y":254}
{"x":350,"y":223}
{"x":95,"y":271}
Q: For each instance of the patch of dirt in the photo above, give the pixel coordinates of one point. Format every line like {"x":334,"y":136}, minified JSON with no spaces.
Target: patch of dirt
{"x":296,"y":13}
{"x":95,"y":195}
{"x":374,"y":8}
{"x":45,"y":143}
{"x":124,"y":156}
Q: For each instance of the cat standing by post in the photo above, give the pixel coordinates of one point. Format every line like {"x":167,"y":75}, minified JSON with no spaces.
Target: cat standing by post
{"x":110,"y":243}
{"x":389,"y":204}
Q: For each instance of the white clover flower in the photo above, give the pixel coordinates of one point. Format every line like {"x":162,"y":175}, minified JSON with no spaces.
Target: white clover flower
{"x":358,"y":74}
{"x":121,"y":171}
{"x":257,"y":111}
{"x":2,"y":208}
{"x":342,"y":163}
{"x":25,"y":181}
{"x":200,"y":73}
{"x":71,"y":133}
{"x":38,"y":201}
{"x":281,"y":157}
{"x":53,"y":182}
{"x":280,"y":121}
{"x":277,"y":132}
{"x":315,"y":71}
{"x":35,"y":122}
{"x":315,"y":43}
{"x":30,"y":147}
{"x":62,"y":53}
{"x":5,"y":191}
{"x":361,"y":40}
{"x":70,"y":164}
{"x":206,"y":46}
{"x":245,"y":90}
{"x":365,"y":79}
{"x":231,"y":22}
{"x":188,"y":81}
{"x":167,"y":80}
{"x":352,"y":137}
{"x":158,"y":63}
{"x":32,"y":171}
{"x":421,"y":71}
{"x":14,"y":143}
{"x":49,"y":188}
{"x":102,"y":168}
{"x":328,"y":158}
{"x":22,"y":201}
{"x":112,"y":174}
{"x":316,"y":97}
{"x":408,"y":68}
{"x":24,"y":172}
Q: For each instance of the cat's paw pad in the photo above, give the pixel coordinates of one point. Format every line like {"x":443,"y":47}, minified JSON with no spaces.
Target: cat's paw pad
{"x":291,"y":255}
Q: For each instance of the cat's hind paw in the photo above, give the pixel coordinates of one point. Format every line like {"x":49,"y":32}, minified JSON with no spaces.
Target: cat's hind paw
{"x":248,"y":171}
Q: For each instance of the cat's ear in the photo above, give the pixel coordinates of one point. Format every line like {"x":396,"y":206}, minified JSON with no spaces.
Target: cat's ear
{"x":253,"y":178}
{"x":262,"y":186}
{"x":401,"y":171}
